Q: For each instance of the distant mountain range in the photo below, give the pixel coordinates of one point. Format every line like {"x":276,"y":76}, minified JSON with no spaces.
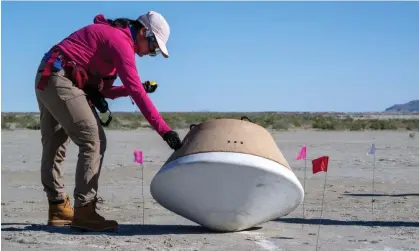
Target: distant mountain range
{"x":412,"y":106}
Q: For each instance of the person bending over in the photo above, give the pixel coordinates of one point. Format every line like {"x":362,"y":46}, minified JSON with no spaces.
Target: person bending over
{"x":94,"y":54}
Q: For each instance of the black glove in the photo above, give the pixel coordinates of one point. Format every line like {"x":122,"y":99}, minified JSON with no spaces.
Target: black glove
{"x":173,"y":140}
{"x":150,"y":86}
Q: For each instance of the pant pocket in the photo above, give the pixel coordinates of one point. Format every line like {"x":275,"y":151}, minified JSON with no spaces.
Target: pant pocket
{"x":64,"y":87}
{"x":80,"y":112}
{"x":85,"y":131}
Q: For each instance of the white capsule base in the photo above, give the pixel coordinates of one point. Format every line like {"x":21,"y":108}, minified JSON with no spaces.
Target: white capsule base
{"x":226,"y":191}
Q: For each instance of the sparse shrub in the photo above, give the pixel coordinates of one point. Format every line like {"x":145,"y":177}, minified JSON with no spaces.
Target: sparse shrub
{"x":280,"y":125}
{"x":36,"y":125}
{"x":411,"y":124}
{"x":389,"y":125}
{"x":115,"y":124}
{"x":296,"y":122}
{"x":357,"y":125}
{"x":348,"y":120}
{"x":324,"y":123}
{"x":174,"y":121}
{"x":9,"y":118}
{"x":376,"y":124}
{"x":266,"y":121}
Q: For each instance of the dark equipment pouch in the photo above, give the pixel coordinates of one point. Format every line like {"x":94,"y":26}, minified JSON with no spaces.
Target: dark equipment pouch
{"x":95,"y":97}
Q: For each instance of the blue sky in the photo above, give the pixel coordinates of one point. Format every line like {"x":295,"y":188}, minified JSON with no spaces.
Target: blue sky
{"x":239,"y":56}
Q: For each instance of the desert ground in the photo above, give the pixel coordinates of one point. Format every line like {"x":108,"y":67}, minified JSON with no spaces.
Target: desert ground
{"x":347,"y":223}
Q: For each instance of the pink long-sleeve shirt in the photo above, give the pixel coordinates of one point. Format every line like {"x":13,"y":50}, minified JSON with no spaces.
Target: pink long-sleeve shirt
{"x":104,"y":50}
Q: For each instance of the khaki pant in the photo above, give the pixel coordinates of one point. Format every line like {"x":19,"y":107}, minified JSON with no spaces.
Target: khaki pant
{"x":66,"y":115}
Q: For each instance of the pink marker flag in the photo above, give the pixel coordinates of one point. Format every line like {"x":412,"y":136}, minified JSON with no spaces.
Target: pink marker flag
{"x":302,"y":153}
{"x":138,"y":156}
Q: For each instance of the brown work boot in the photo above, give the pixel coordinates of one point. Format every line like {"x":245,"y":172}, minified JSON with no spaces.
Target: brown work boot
{"x":60,"y":213}
{"x":86,"y":218}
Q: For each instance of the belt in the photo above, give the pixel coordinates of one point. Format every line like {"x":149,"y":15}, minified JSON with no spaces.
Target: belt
{"x":55,"y":61}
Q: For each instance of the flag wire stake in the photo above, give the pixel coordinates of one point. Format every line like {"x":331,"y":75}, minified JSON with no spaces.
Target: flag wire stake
{"x":304,"y":188}
{"x":321,"y":211}
{"x":142,"y":188}
{"x":373,"y":189}
{"x":372,"y":151}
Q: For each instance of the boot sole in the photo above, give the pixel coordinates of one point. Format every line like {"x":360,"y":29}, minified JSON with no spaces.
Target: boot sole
{"x":59,"y":223}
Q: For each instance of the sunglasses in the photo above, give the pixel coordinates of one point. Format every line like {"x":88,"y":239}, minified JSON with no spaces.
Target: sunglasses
{"x":153,"y":46}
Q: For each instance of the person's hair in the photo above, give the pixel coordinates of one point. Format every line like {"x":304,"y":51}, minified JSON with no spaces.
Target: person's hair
{"x":124,"y":22}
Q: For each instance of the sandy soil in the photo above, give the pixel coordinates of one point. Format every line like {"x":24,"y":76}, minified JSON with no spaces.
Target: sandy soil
{"x":348,"y":223}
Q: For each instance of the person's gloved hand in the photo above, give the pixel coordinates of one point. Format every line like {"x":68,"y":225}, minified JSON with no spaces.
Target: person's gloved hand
{"x":173,"y":140}
{"x":150,"y":86}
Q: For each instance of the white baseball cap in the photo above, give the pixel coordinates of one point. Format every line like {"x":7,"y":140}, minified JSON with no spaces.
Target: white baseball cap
{"x":158,"y":25}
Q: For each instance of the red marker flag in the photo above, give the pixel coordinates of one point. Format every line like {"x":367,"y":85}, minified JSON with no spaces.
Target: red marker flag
{"x":320,"y":164}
